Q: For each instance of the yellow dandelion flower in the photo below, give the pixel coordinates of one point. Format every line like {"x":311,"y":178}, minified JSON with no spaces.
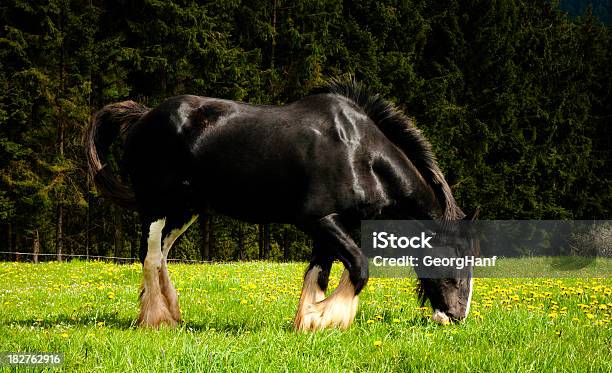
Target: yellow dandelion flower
{"x":590,"y":316}
{"x":64,"y":335}
{"x":396,"y":320}
{"x":377,"y":343}
{"x":370,"y":321}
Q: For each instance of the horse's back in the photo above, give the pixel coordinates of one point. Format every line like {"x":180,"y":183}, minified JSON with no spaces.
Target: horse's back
{"x":259,"y":163}
{"x":286,"y":163}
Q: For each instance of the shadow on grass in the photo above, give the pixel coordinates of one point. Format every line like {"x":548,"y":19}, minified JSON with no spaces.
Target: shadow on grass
{"x":114,"y":321}
{"x":111,"y":320}
{"x":238,"y":328}
{"x":421,"y":321}
{"x":230,"y":328}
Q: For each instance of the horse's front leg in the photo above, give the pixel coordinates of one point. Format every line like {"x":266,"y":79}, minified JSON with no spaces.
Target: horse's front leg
{"x":315,"y":284}
{"x":339,"y":309}
{"x":154,"y":309}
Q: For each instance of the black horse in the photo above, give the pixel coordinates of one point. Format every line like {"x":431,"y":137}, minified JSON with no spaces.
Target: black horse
{"x":322,"y":163}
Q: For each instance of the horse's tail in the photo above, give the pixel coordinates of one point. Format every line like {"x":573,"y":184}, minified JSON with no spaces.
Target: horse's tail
{"x":107,"y":124}
{"x":400,"y":130}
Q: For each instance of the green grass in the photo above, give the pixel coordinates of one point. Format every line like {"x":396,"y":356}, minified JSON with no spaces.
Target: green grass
{"x":237,"y":317}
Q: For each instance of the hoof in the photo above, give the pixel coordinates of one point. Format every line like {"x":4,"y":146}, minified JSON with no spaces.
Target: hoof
{"x":154,"y":311}
{"x":330,"y":313}
{"x":338,"y":310}
{"x":440,"y":317}
{"x":154,"y":322}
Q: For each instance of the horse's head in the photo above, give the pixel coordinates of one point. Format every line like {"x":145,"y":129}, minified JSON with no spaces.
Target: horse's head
{"x":449,"y":297}
{"x":449,"y":291}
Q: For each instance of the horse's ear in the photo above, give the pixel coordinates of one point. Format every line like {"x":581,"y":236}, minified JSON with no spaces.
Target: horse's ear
{"x":474,"y":215}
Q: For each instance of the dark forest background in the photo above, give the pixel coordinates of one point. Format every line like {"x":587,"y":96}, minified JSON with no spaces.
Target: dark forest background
{"x":514,"y":95}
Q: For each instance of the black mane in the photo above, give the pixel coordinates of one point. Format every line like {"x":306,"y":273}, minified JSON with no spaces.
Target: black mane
{"x":400,"y":130}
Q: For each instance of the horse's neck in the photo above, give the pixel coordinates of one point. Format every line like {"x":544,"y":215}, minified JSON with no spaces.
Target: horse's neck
{"x":419,"y":205}
{"x":425,"y":204}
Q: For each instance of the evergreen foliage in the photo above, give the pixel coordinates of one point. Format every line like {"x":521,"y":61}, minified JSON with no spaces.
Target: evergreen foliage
{"x":515,"y":97}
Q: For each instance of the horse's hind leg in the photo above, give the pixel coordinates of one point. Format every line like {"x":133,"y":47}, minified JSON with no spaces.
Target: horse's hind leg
{"x":175,"y":226}
{"x":340,"y":307}
{"x":158,"y":299}
{"x":153,"y":305}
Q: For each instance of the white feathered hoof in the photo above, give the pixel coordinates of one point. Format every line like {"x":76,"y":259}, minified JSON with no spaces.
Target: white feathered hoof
{"x":336,"y":311}
{"x":440,"y":317}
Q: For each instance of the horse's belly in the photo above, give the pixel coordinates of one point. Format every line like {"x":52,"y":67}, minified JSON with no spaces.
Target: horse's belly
{"x":253,"y":191}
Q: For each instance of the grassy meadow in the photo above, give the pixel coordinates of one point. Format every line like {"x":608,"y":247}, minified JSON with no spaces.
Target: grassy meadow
{"x":238,"y":317}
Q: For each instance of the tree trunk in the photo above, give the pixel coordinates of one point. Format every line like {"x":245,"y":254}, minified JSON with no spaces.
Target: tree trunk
{"x":205,"y":237}
{"x":102,"y":236}
{"x":118,"y":233}
{"x":260,"y":240}
{"x":59,"y":228}
{"x":9,"y":233}
{"x":285,"y":244}
{"x":68,"y":246}
{"x":240,"y":252}
{"x":134,"y":242}
{"x":88,"y":218}
{"x":36,"y":246}
{"x":59,"y":232}
{"x":273,"y":46}
{"x":212,"y":243}
{"x":266,"y":241}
